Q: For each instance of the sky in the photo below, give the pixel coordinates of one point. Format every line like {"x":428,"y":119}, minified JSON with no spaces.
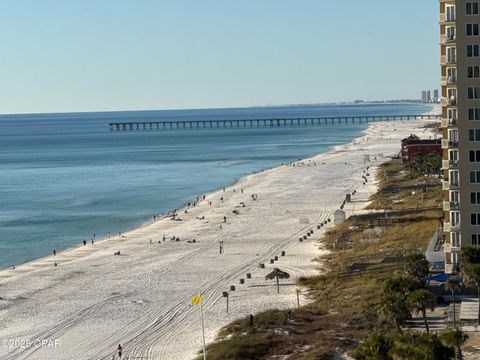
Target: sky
{"x":101,"y":55}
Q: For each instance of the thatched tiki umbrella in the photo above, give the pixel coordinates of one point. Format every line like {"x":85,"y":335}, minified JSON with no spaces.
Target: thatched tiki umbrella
{"x":278,"y":274}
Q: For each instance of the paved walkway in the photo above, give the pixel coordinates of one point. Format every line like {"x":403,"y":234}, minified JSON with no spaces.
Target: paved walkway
{"x":469,"y":310}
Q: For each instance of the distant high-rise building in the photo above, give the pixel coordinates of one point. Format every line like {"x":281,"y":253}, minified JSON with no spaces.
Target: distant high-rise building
{"x":429,"y":96}
{"x":435,"y":95}
{"x":424,"y":96}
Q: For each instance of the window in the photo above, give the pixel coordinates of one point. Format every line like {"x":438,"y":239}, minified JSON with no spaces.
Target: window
{"x":455,"y":258}
{"x":475,"y":198}
{"x":455,"y":239}
{"x":473,"y":93}
{"x":452,"y":55}
{"x":474,"y":135}
{"x":472,"y":8}
{"x":453,"y":177}
{"x":475,"y":239}
{"x":472,"y":29}
{"x":452,"y":114}
{"x":472,"y":50}
{"x":474,"y":177}
{"x":454,"y":196}
{"x":455,"y":217}
{"x":453,"y":135}
{"x":473,"y":114}
{"x":450,"y":11}
{"x":475,"y":219}
{"x":474,"y":155}
{"x":473,"y":72}
{"x":453,"y":155}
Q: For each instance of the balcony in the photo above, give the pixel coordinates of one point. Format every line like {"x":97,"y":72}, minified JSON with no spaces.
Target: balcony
{"x":448,"y":60}
{"x":452,"y":101}
{"x":449,"y":268}
{"x":449,"y":185}
{"x":448,"y":80}
{"x":449,"y":164}
{"x":447,"y":227}
{"x":443,"y":18}
{"x":450,"y":205}
{"x":447,"y":39}
{"x":449,"y":248}
{"x":449,"y":123}
{"x":449,"y":144}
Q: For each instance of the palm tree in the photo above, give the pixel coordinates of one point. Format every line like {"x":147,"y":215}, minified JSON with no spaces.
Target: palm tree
{"x":453,"y":285}
{"x":394,"y":302}
{"x":421,"y":300}
{"x":455,"y":338}
{"x":417,"y":266}
{"x":394,"y":305}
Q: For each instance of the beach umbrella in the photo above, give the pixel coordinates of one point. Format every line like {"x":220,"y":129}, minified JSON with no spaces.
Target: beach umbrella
{"x":277,"y":274}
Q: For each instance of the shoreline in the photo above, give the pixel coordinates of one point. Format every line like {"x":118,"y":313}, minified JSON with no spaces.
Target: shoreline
{"x":248,"y":242}
{"x":140,"y":224}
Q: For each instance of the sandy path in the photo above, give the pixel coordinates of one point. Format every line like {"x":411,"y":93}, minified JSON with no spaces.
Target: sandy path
{"x":93,"y":300}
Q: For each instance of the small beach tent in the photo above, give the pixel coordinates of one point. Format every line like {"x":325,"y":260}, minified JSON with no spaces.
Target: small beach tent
{"x":338,"y":217}
{"x":277,"y":274}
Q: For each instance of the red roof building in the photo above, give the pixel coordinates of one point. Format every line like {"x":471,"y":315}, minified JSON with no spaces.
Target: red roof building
{"x":412,"y":147}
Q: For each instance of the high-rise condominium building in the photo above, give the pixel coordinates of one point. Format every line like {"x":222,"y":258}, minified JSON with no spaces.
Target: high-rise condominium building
{"x":460,"y":92}
{"x":435,"y":95}
{"x":424,"y":96}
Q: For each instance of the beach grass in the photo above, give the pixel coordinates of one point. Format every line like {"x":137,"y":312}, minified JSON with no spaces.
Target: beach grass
{"x":344,"y":301}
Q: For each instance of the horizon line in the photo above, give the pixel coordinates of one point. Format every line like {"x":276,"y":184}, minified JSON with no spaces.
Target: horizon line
{"x":353,"y":102}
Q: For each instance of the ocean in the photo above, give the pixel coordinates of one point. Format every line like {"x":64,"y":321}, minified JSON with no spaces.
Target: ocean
{"x":64,"y":177}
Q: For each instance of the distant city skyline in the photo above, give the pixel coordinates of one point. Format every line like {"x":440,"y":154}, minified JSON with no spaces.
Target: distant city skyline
{"x":142,"y":55}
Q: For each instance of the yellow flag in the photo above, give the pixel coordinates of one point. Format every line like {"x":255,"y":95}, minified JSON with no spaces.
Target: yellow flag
{"x":197,"y":300}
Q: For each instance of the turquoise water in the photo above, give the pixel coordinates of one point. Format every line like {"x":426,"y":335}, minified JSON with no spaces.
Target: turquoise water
{"x":64,"y":177}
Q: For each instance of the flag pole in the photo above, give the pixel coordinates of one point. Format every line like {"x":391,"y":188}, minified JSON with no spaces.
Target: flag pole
{"x":203,"y":332}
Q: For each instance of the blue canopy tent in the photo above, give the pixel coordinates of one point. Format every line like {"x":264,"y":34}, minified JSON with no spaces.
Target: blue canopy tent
{"x":442,"y":277}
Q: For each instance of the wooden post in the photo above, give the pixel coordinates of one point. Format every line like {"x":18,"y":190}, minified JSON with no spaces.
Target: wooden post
{"x":278,"y":286}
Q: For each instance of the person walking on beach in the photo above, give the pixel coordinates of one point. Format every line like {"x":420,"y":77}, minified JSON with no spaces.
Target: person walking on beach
{"x":54,"y":252}
{"x":84,"y":242}
{"x":119,"y":350}
{"x":92,"y":242}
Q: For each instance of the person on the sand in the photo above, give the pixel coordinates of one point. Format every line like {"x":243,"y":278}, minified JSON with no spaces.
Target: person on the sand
{"x":119,"y":350}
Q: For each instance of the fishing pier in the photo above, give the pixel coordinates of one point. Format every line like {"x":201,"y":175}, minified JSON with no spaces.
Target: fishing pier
{"x":257,"y":123}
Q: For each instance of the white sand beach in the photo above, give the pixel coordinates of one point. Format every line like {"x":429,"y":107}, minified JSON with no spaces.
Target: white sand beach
{"x":93,"y":301}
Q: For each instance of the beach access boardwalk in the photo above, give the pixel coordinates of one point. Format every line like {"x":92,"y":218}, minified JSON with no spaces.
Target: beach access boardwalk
{"x":267,"y":122}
